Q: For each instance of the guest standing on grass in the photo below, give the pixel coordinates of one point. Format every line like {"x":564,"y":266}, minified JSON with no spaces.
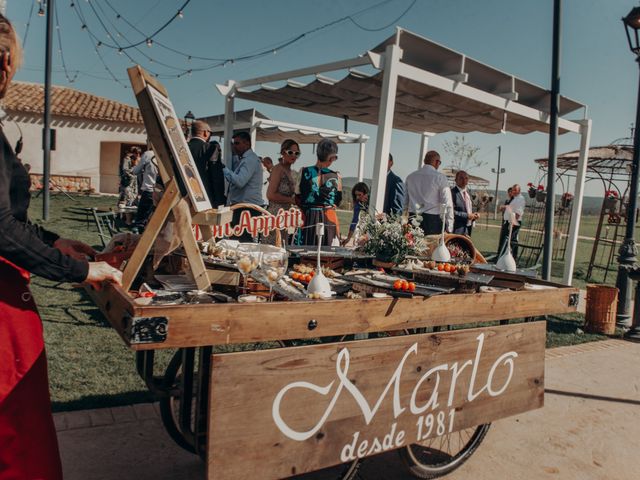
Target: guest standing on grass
{"x":28,"y":443}
{"x":282,"y":188}
{"x":320,"y":194}
{"x":360,"y":197}
{"x":427,"y":192}
{"x":516,"y":206}
{"x":245,"y":180}
{"x":463,"y":214}
{"x":147,"y":168}
{"x":394,"y":192}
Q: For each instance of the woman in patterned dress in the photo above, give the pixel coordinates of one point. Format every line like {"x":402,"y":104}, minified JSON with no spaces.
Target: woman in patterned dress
{"x":281,"y":190}
{"x":320,"y":194}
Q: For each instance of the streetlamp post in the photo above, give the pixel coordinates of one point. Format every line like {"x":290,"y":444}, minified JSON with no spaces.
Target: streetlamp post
{"x":497,"y":171}
{"x":189,"y":117}
{"x":627,"y":252}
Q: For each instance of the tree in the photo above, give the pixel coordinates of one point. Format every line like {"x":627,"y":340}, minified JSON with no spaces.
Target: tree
{"x":463,"y":154}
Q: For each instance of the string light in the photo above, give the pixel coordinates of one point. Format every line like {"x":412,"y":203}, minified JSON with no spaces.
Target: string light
{"x":41,"y":9}
{"x":26,"y":30}
{"x":150,"y":40}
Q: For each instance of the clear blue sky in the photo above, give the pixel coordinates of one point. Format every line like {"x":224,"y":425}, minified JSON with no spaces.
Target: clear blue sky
{"x":512,"y":35}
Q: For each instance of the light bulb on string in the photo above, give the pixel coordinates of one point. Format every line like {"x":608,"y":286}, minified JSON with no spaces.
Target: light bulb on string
{"x":120,"y":51}
{"x":180,"y":14}
{"x":149,"y":42}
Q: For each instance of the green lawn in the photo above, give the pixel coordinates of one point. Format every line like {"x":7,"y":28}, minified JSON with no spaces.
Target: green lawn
{"x":89,"y":364}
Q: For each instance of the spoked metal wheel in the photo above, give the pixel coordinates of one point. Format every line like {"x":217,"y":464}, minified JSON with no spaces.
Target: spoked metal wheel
{"x":179,"y":410}
{"x":346,"y":471}
{"x":441,"y":455}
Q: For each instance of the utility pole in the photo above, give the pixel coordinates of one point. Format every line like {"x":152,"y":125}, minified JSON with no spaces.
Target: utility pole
{"x":497,"y":171}
{"x":46,"y":131}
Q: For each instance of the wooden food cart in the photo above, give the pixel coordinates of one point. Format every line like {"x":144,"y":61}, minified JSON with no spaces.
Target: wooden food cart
{"x":300,"y":394}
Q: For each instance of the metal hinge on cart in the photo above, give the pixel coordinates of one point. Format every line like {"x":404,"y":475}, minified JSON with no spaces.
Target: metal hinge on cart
{"x":139,"y":330}
{"x":574,"y":298}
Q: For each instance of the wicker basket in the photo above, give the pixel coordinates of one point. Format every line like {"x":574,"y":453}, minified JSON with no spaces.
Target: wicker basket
{"x":600,"y":315}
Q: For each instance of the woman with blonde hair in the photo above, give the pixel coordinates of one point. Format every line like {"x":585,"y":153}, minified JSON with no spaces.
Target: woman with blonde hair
{"x":28,"y":443}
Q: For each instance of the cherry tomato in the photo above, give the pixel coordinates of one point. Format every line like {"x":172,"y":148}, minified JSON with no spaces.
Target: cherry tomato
{"x":441,"y":267}
{"x":405,"y":285}
{"x":397,"y":285}
{"x":412,"y":287}
{"x":447,"y":267}
{"x":312,"y":273}
{"x":307,"y":278}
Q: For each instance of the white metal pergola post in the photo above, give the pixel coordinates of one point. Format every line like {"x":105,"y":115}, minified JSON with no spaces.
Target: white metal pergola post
{"x":424,"y":147}
{"x":253,"y":130}
{"x":361,"y":162}
{"x":576,"y":210}
{"x":228,"y":124}
{"x":391,"y":60}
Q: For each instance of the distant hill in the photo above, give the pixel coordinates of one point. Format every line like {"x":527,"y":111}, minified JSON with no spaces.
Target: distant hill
{"x":590,"y":205}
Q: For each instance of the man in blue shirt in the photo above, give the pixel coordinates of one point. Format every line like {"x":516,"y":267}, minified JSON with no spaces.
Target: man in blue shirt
{"x":245,"y":179}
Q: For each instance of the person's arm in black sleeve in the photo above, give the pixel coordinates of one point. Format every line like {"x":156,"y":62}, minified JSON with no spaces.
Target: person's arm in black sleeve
{"x":21,"y":244}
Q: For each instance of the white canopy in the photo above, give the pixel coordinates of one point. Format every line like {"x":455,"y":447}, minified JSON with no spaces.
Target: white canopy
{"x":264,"y":129}
{"x":414,"y":84}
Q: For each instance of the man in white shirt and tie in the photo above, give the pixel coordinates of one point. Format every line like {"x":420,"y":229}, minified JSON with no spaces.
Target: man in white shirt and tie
{"x":427,"y":192}
{"x":516,"y":206}
{"x":463,"y":215}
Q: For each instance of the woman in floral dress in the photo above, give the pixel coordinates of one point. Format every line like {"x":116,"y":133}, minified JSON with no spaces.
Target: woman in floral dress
{"x":320,"y":194}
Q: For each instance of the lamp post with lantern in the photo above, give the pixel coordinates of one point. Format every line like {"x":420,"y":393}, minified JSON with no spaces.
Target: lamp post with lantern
{"x":628,"y":251}
{"x":189,"y":118}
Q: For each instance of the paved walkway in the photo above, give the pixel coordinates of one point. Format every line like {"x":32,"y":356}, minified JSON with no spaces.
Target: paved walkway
{"x":588,"y":429}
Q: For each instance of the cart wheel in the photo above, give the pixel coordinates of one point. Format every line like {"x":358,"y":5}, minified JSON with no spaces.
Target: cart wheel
{"x":441,"y":455}
{"x":170,"y":405}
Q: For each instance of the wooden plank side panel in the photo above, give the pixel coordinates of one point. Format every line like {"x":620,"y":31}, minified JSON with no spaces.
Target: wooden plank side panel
{"x":114,"y":304}
{"x":200,"y":325}
{"x":280,"y":412}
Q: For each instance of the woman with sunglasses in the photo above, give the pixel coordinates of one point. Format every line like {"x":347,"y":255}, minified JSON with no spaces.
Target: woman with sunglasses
{"x":281,"y":189}
{"x":320,"y":194}
{"x":360,"y":196}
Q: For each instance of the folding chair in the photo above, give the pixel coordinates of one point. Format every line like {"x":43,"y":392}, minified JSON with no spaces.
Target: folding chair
{"x":106,"y":224}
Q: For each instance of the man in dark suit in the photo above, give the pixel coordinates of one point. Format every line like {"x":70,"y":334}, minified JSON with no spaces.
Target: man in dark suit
{"x":463,"y":216}
{"x":394,"y":192}
{"x":207,"y":158}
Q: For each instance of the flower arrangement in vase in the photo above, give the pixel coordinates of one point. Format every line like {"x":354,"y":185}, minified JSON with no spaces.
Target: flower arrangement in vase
{"x":391,"y":238}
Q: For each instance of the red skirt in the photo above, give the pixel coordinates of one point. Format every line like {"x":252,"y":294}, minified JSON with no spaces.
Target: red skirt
{"x":28,"y":443}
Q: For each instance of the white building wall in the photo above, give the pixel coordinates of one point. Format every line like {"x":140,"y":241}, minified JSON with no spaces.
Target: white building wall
{"x":79,"y":146}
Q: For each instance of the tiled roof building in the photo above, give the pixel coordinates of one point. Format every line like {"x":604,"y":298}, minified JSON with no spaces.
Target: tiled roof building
{"x":26,"y":97}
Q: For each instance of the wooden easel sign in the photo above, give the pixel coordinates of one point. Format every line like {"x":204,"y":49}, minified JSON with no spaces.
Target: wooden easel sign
{"x":170,"y":125}
{"x":282,"y":412}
